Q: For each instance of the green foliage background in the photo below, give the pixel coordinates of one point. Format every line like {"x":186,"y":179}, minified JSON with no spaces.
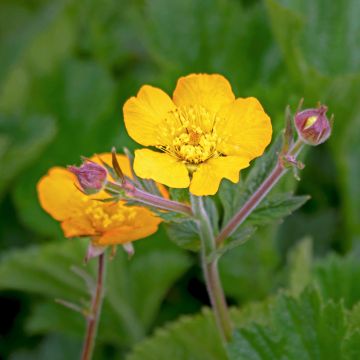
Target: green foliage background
{"x":66,"y":68}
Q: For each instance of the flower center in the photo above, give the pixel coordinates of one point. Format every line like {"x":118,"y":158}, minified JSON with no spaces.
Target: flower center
{"x":190,"y":134}
{"x":107,"y":215}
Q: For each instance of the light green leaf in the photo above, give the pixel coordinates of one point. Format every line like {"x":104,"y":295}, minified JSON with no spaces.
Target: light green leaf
{"x":134,"y":289}
{"x":300,"y":261}
{"x":193,"y":337}
{"x":305,"y":328}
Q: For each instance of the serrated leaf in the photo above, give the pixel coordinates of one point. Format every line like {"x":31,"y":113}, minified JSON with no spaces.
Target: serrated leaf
{"x":338,"y":278}
{"x":233,"y":196}
{"x":193,"y":337}
{"x":304,"y":328}
{"x":186,"y":234}
{"x":237,"y":239}
{"x":351,"y":346}
{"x":127,"y":313}
{"x":275,"y":207}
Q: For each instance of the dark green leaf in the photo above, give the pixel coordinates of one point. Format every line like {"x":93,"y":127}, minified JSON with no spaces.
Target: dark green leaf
{"x":22,"y":140}
{"x":275,"y":207}
{"x":186,"y":234}
{"x":239,"y":238}
{"x":127,"y":314}
{"x":233,"y":196}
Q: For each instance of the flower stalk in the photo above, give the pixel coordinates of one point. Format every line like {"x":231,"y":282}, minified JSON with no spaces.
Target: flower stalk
{"x":147,"y":198}
{"x":210,"y":269}
{"x":93,"y":317}
{"x":254,"y":200}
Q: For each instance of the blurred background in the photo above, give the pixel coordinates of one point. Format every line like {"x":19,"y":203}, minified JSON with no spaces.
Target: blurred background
{"x":66,"y":68}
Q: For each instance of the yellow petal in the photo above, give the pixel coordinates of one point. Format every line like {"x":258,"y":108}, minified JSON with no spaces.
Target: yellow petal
{"x":245,"y":127}
{"x":125,"y":168}
{"x":144,"y":114}
{"x":144,"y":225}
{"x":210,"y":91}
{"x":161,"y":167}
{"x":207,"y":177}
{"x":78,"y":226}
{"x":58,"y":195}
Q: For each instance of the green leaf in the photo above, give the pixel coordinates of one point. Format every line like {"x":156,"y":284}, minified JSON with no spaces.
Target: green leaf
{"x":185,"y":233}
{"x":248,"y":272}
{"x":22,"y":140}
{"x":351,"y":346}
{"x":239,"y":238}
{"x":276,"y":207}
{"x":34,"y":39}
{"x":53,"y":347}
{"x":283,"y":328}
{"x":295,"y":22}
{"x":193,"y":337}
{"x":82,"y":122}
{"x":307,"y":32}
{"x":180,"y":195}
{"x":127,"y":313}
{"x":209,"y":39}
{"x":233,"y":196}
{"x":300,"y":261}
{"x":339,"y":278}
{"x":304,"y":328}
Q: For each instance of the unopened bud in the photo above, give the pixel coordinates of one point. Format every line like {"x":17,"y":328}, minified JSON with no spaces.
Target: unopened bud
{"x":91,"y":176}
{"x":313,"y":126}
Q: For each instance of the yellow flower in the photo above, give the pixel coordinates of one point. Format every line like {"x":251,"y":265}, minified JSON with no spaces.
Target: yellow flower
{"x":203,"y":133}
{"x":107,"y":223}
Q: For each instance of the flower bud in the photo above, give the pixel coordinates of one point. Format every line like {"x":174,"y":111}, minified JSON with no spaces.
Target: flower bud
{"x":91,"y":177}
{"x":313,"y":126}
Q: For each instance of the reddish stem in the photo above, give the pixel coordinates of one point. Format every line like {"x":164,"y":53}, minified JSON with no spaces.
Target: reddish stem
{"x":93,"y":317}
{"x":258,"y":195}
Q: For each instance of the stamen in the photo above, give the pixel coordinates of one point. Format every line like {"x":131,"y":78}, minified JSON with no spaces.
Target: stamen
{"x":191,"y":135}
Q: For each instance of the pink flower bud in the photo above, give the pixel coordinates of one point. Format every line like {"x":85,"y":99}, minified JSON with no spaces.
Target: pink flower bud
{"x":91,"y":176}
{"x":313,"y":126}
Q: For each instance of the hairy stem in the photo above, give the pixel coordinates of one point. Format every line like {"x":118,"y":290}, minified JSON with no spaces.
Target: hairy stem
{"x":210,"y":270}
{"x":147,"y":198}
{"x":93,"y":317}
{"x":257,"y":196}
